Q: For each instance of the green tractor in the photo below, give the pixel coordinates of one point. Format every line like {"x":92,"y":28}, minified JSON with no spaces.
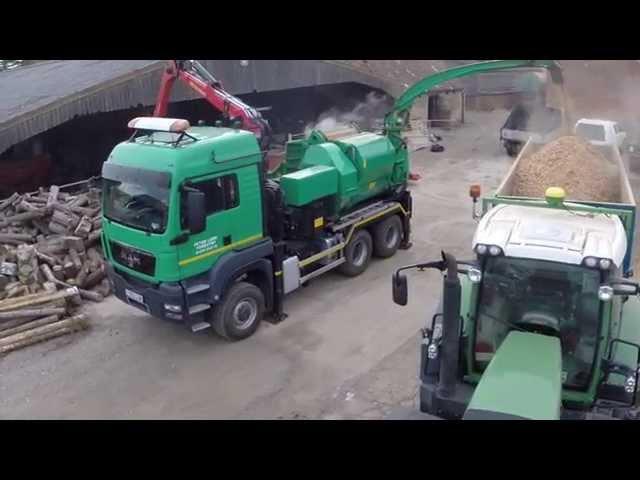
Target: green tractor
{"x":544,"y":322}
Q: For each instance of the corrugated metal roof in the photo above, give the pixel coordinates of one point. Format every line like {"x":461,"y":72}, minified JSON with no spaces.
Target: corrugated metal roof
{"x":38,"y":97}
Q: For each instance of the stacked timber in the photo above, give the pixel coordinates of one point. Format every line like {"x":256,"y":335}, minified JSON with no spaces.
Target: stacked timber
{"x":50,"y":262}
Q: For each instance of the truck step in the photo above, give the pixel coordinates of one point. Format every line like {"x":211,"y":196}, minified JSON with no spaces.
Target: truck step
{"x":196,"y":327}
{"x":201,"y":307}
{"x":320,"y":271}
{"x":200,"y":287}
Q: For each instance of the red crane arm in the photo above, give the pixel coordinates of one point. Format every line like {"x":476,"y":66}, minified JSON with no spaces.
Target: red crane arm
{"x":196,"y":77}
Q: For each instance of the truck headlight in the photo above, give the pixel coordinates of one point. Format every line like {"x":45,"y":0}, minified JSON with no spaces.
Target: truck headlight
{"x":494,"y":250}
{"x":481,"y":249}
{"x":432,"y":351}
{"x":173,"y":308}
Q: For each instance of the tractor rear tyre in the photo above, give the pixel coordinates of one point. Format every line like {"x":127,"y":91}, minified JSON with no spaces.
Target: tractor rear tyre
{"x":387,"y":236}
{"x":240,"y":313}
{"x":357,"y":254}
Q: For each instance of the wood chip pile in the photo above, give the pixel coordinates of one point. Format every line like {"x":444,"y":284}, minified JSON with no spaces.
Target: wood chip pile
{"x":571,"y":163}
{"x":50,"y":263}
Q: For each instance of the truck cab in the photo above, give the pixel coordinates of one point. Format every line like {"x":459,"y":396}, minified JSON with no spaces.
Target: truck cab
{"x":173,"y":204}
{"x":601,"y":133}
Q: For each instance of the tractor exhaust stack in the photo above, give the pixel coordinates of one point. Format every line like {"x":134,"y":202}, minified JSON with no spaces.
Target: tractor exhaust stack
{"x":450,"y":329}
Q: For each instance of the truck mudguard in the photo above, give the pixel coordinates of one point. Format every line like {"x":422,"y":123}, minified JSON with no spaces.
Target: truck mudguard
{"x":236,"y":263}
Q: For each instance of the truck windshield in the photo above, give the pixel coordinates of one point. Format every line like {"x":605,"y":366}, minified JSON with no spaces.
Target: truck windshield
{"x":590,"y":132}
{"x":135,"y":197}
{"x":543,"y":297}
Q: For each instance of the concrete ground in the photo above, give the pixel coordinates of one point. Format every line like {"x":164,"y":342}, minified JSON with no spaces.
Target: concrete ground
{"x":346,"y":350}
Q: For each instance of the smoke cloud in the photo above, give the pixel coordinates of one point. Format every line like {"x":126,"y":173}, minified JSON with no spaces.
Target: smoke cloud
{"x":365,"y":115}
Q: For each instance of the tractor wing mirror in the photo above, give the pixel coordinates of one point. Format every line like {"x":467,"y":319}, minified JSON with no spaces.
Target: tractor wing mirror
{"x":400,"y":290}
{"x":196,"y":211}
{"x":622,"y":287}
{"x":625,"y":288}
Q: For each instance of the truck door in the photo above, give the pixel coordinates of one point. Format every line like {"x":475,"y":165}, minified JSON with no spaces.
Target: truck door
{"x":234,"y":218}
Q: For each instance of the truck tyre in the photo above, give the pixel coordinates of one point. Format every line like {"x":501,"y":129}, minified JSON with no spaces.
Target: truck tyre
{"x":387,"y":236}
{"x":240,"y":313}
{"x":357,"y":254}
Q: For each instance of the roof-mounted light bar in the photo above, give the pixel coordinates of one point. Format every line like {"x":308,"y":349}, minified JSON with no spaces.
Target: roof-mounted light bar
{"x":160,"y":124}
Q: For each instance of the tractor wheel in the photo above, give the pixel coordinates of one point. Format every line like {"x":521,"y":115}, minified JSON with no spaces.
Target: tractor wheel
{"x":240,"y":313}
{"x":512,"y":148}
{"x":387,"y":236}
{"x":357,"y":254}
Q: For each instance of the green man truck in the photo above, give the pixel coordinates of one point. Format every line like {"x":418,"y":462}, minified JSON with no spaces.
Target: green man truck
{"x":544,"y":322}
{"x":195,"y":232}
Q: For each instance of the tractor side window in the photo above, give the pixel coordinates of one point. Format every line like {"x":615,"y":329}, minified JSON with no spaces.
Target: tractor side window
{"x":220,"y":193}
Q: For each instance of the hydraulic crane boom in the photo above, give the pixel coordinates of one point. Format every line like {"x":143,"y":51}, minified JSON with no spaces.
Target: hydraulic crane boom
{"x":196,"y":77}
{"x":396,"y":119}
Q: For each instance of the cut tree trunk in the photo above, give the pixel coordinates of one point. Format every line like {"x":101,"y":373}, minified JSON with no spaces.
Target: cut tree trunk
{"x":36,"y":299}
{"x":28,"y":326}
{"x":45,"y":332}
{"x":53,"y":195}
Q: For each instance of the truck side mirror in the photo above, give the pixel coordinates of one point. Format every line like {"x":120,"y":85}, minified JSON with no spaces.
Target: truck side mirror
{"x":400,"y":291}
{"x":196,"y":211}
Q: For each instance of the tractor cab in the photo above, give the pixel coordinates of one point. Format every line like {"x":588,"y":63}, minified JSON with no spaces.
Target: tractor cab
{"x":536,"y":325}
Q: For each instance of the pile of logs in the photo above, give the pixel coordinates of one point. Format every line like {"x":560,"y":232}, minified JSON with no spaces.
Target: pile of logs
{"x":50,"y":262}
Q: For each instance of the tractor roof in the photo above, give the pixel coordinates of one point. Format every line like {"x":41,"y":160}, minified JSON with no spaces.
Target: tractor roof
{"x":552,"y":234}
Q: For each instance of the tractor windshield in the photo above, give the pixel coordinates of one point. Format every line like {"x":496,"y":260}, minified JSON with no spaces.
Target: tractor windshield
{"x":135,"y":197}
{"x":543,"y":297}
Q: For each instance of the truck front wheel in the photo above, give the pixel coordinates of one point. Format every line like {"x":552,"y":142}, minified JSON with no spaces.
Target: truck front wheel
{"x":240,"y":313}
{"x":387,"y":236}
{"x":357,"y":254}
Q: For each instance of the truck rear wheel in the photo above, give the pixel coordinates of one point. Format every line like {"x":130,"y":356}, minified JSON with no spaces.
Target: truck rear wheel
{"x":240,"y":313}
{"x":357,"y":254}
{"x":387,"y":236}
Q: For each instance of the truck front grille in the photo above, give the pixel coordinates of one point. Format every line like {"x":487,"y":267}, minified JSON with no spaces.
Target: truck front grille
{"x":133,"y":258}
